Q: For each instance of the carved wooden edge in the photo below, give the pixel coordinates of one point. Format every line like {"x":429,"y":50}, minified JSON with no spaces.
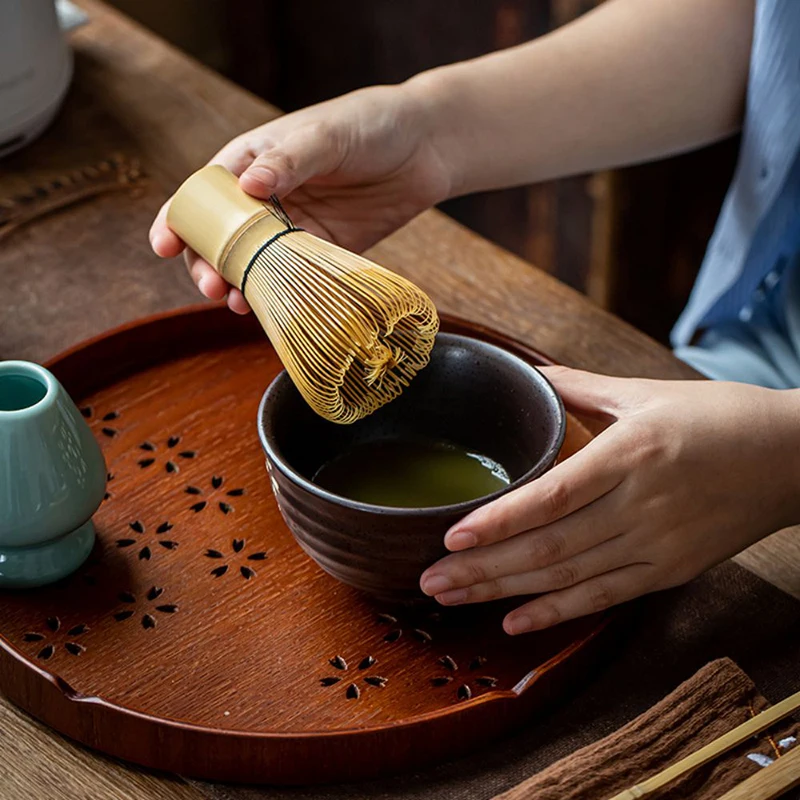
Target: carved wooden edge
{"x":69,"y":693}
{"x":156,"y":342}
{"x":112,"y":174}
{"x":270,"y":755}
{"x":452,"y":323}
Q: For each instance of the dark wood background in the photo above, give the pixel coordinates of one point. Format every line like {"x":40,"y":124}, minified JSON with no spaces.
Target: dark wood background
{"x":631,"y":239}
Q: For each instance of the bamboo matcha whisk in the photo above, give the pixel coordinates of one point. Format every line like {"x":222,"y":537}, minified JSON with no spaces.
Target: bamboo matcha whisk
{"x":350,"y":333}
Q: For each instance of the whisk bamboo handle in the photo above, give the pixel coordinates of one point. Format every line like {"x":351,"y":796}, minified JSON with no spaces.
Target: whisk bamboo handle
{"x":213,"y":215}
{"x":714,"y":749}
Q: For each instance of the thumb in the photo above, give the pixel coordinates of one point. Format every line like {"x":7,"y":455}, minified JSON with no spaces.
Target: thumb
{"x":599,"y":396}
{"x":310,"y":151}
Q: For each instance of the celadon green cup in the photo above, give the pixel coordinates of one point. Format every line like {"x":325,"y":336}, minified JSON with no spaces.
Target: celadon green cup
{"x":52,"y":479}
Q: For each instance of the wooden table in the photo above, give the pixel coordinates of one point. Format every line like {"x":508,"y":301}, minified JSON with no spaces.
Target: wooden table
{"x":75,"y":273}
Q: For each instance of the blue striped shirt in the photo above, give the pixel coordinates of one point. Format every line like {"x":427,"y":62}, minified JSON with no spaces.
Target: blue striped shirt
{"x":758,"y":231}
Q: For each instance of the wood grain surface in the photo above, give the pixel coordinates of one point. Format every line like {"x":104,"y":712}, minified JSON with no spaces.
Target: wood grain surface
{"x":78,"y":271}
{"x":36,"y":763}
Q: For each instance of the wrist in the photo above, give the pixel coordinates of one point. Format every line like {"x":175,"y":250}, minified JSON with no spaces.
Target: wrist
{"x":436,"y":108}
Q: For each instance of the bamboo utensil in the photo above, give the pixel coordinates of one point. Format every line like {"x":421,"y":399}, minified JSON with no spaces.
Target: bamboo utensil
{"x":773,"y":781}
{"x":714,"y":749}
{"x":351,"y":334}
{"x":112,"y":174}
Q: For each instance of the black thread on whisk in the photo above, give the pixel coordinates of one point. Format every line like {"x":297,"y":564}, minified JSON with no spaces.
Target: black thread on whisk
{"x":261,"y":249}
{"x":279,"y":211}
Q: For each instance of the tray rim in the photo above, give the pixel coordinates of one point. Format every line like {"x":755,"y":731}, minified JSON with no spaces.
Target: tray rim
{"x":516,"y":692}
{"x":500,"y":697}
{"x":214,"y":308}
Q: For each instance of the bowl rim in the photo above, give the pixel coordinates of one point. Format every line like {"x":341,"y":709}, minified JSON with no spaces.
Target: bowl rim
{"x":546,"y":460}
{"x":35,"y":373}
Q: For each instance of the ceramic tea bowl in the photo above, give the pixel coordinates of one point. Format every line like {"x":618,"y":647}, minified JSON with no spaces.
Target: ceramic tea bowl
{"x":472,"y":394}
{"x":52,"y":479}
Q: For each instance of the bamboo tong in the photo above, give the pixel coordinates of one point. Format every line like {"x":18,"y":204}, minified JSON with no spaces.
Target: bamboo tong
{"x":772,"y":781}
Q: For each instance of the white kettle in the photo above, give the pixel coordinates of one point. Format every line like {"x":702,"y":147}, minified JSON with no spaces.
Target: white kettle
{"x":35,"y":69}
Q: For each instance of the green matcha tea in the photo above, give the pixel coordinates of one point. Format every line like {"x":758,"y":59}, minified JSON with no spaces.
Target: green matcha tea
{"x":411,"y":474}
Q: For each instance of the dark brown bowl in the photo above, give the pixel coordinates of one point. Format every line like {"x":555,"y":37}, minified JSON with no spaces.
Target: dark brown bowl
{"x":473,"y":394}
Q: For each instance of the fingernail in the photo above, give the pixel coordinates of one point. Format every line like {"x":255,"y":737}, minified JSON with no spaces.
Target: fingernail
{"x":460,"y":540}
{"x":263,"y":174}
{"x":435,"y":584}
{"x":452,"y":598}
{"x":155,"y":241}
{"x":201,"y":284}
{"x":515,"y":625}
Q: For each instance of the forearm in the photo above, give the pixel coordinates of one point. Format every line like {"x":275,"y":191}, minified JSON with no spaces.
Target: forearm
{"x":631,"y":81}
{"x":784,"y":414}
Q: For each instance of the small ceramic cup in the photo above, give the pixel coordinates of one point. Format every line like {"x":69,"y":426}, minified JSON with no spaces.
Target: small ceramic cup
{"x":52,"y":478}
{"x":472,"y":394}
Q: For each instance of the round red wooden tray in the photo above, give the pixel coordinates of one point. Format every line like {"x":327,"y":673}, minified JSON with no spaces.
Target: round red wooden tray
{"x":200,"y":639}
